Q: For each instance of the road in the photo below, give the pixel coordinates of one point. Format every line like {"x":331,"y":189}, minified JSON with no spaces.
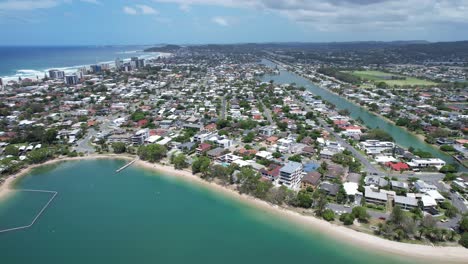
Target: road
{"x":370,"y":168}
{"x":267,"y":113}
{"x":456,"y":198}
{"x":83,"y":144}
{"x":223,"y":108}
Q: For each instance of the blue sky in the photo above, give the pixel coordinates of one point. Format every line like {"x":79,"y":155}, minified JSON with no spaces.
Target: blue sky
{"x":101,"y":22}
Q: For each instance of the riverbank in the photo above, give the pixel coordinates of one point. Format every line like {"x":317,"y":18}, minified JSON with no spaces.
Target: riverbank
{"x":404,"y":137}
{"x":340,"y":233}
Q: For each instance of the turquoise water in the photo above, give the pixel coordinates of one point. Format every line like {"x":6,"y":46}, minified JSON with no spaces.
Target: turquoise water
{"x":401,"y":136}
{"x":138,"y":216}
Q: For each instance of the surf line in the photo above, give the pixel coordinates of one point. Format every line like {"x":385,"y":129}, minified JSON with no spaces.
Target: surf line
{"x":38,"y":215}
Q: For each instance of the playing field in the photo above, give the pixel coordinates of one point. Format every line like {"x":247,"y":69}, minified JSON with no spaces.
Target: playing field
{"x":379,"y":76}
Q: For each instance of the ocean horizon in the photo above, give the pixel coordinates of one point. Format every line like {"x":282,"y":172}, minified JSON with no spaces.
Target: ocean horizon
{"x":35,"y":61}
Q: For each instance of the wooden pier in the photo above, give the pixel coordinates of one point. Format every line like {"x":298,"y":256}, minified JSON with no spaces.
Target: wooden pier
{"x":126,"y":166}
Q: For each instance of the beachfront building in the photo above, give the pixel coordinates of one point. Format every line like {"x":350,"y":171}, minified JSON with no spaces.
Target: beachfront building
{"x":291,"y":174}
{"x":140,"y":137}
{"x":71,"y":79}
{"x":56,"y":74}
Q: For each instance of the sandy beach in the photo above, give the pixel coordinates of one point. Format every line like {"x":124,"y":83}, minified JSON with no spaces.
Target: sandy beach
{"x":354,"y":238}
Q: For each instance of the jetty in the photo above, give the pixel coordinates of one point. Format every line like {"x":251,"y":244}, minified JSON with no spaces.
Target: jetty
{"x":38,"y":215}
{"x":126,"y":166}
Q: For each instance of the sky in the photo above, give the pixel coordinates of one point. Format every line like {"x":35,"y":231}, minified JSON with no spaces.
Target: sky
{"x":112,"y":22}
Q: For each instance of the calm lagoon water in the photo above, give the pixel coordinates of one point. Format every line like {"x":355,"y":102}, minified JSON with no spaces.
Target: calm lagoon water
{"x":138,"y":216}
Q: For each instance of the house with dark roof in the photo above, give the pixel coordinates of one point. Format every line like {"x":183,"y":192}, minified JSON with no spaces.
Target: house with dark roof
{"x":311,"y":179}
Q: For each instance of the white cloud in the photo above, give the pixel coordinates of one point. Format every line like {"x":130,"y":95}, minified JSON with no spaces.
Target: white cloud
{"x":26,"y":5}
{"x":94,"y":2}
{"x":331,"y":15}
{"x":140,"y":10}
{"x":130,"y":10}
{"x":147,"y":10}
{"x":221,"y":21}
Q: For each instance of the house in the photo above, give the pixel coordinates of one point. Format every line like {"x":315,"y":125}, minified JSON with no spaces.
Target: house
{"x":272,"y":172}
{"x":399,"y":166}
{"x":209,"y":128}
{"x":335,"y":171}
{"x":215,"y":153}
{"x":428,"y":202}
{"x":140,"y":136}
{"x":291,"y":174}
{"x":424,"y":187}
{"x":186,"y":147}
{"x":329,"y":188}
{"x":375,"y":181}
{"x":311,"y":179}
{"x":436,"y":195}
{"x":424,"y":163}
{"x":264,"y":155}
{"x":271,"y":140}
{"x":351,"y":188}
{"x":202,"y":148}
{"x":397,"y":185}
{"x":405,"y":202}
{"x":375,"y":147}
{"x":375,"y":197}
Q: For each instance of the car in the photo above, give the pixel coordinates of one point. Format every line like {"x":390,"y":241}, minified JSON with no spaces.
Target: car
{"x":382,"y":218}
{"x":444,"y":220}
{"x":347,"y":206}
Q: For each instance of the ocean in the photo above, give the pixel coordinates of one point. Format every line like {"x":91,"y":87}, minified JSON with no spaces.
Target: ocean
{"x":140,"y":216}
{"x":32,"y":61}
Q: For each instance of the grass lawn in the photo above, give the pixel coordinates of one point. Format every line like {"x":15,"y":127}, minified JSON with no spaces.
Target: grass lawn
{"x":379,"y":76}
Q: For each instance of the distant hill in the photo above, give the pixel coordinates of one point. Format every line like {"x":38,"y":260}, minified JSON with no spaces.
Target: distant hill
{"x":166,"y":48}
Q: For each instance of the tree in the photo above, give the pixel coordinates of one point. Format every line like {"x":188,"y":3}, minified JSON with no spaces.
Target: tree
{"x":249,"y":137}
{"x":397,"y":215}
{"x":279,"y":195}
{"x":341,"y":196}
{"x":39,"y":155}
{"x":428,"y":222}
{"x":451,"y":211}
{"x":328,"y":215}
{"x":49,"y":136}
{"x":201,"y":165}
{"x":119,"y":147}
{"x":180,"y":161}
{"x":304,"y":199}
{"x":152,"y":152}
{"x":464,"y":224}
{"x":464,"y":239}
{"x":248,"y":179}
{"x":296,"y":158}
{"x":11,"y":150}
{"x":321,"y":202}
{"x":347,"y":219}
{"x":360,"y":213}
{"x":263,"y":187}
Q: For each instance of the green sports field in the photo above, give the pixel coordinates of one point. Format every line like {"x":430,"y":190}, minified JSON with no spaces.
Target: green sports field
{"x":378,"y":76}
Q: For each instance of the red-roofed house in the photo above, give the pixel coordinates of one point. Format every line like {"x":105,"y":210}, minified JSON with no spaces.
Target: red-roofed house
{"x":209,"y":128}
{"x":272,"y":172}
{"x":399,"y":166}
{"x":202,"y":148}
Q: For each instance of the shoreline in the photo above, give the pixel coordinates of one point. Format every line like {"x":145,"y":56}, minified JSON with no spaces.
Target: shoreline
{"x":348,"y":236}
